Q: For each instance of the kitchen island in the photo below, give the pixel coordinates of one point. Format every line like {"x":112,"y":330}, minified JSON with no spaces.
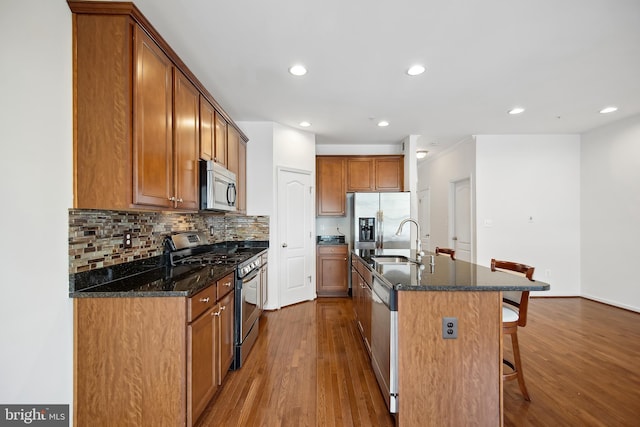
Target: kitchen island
{"x":431,"y":376}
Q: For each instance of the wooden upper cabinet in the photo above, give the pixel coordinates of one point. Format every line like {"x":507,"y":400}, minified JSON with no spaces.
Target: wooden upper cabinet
{"x":331,"y":188}
{"x":242,"y":177}
{"x":360,"y":174}
{"x":233,"y":141}
{"x":375,"y":173}
{"x":152,"y":131}
{"x":389,"y":173}
{"x":141,"y":118}
{"x":220,"y":154}
{"x":186,"y":142}
{"x":207,"y":129}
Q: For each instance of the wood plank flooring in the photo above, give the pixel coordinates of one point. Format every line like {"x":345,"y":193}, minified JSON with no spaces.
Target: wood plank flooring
{"x":309,"y":368}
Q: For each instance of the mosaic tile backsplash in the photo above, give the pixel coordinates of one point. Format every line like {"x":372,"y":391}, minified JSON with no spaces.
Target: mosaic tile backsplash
{"x":96,"y":237}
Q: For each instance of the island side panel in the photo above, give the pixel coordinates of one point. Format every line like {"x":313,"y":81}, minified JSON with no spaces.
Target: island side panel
{"x":449,"y":382}
{"x":130,"y":361}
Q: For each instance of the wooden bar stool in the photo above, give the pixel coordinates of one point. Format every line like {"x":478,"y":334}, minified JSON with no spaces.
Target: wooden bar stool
{"x":514,"y":315}
{"x":448,"y":251}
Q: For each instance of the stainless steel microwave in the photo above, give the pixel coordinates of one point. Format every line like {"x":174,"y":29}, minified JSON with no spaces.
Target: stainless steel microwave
{"x":217,"y":187}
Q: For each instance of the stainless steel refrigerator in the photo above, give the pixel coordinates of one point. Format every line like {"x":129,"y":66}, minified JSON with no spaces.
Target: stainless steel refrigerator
{"x":375,"y":217}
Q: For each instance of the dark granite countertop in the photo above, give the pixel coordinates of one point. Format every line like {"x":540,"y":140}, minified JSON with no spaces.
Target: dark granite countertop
{"x":330,"y":240}
{"x":445,"y":275}
{"x":152,"y":277}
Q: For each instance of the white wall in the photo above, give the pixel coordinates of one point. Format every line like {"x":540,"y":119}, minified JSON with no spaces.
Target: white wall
{"x":259,"y":165}
{"x":610,"y":207}
{"x":270,"y":146}
{"x":436,"y":174}
{"x":36,"y":359}
{"x":519,"y":177}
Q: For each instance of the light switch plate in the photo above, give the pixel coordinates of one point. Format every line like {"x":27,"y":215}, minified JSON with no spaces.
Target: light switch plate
{"x":449,"y":328}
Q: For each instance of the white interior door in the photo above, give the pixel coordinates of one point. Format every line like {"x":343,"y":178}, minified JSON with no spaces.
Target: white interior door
{"x":461,"y":223}
{"x":294,"y":236}
{"x":424,"y":218}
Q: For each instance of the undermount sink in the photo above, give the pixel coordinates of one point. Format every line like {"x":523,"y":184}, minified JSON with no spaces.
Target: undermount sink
{"x":392,"y":259}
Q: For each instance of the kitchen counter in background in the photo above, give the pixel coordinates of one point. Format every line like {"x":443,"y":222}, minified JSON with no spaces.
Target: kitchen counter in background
{"x":330,"y":240}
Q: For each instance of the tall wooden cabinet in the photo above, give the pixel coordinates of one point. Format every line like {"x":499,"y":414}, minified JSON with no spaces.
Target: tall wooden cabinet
{"x":186,"y":142}
{"x":142,"y":120}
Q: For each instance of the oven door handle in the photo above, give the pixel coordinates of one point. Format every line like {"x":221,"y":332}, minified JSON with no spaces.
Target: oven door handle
{"x":250,"y":276}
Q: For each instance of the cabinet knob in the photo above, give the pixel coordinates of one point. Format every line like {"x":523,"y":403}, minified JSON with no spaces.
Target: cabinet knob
{"x":284,"y":245}
{"x":179,"y":200}
{"x":204,"y":299}
{"x":228,"y":284}
{"x":172,"y":199}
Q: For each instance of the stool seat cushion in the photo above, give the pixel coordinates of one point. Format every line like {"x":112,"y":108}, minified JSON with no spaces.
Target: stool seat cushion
{"x":509,"y":315}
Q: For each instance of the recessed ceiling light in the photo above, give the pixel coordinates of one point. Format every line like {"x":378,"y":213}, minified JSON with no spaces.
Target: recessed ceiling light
{"x":298,"y":70}
{"x":383,"y":123}
{"x":305,"y":124}
{"x":516,"y":110}
{"x":421,"y":154}
{"x":415,"y":70}
{"x":608,"y":110}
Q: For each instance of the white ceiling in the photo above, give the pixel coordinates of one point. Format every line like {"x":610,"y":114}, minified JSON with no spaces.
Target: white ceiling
{"x":562,"y":60}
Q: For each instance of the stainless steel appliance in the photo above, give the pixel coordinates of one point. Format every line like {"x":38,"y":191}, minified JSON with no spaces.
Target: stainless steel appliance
{"x":384,"y":341}
{"x":191,"y":248}
{"x":375,"y":218}
{"x":217,"y":187}
{"x":248,"y":308}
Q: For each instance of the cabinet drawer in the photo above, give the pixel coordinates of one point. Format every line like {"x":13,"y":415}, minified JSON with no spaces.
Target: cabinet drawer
{"x":201,"y":302}
{"x":332,"y":249}
{"x":225,"y":285}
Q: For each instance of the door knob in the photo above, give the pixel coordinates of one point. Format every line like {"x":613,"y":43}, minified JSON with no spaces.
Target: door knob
{"x":284,"y":245}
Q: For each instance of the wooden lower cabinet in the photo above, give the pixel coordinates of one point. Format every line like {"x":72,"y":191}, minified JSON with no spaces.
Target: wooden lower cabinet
{"x":150,"y":361}
{"x":361,"y":291}
{"x":202,"y":369}
{"x":333,"y":271}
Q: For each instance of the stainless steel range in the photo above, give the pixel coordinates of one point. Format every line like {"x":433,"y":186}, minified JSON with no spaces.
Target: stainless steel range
{"x":192,"y":248}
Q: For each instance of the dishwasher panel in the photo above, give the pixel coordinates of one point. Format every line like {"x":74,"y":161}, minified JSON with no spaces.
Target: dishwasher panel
{"x":384,"y":341}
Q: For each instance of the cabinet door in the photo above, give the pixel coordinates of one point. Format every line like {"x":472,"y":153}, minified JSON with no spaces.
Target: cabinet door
{"x":360,"y":174}
{"x":207,"y":129}
{"x":233,"y":142}
{"x":389,"y":174}
{"x":241,"y":202}
{"x":152,"y":131}
{"x":331,"y":188}
{"x":186,"y":142}
{"x":202,"y":362}
{"x":332,"y":271}
{"x":225,"y":335}
{"x":220,"y":143}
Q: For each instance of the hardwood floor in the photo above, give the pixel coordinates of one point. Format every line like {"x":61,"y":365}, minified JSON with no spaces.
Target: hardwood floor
{"x":307,"y":368}
{"x":581,"y":361}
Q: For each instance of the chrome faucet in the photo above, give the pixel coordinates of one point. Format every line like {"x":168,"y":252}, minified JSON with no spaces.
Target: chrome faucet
{"x":419,"y":252}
